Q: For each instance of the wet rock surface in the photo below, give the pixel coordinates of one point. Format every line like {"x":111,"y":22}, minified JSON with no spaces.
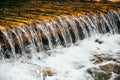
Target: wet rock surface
{"x":99,"y":58}
{"x":98,"y":74}
{"x":117,"y":78}
{"x":105,"y":71}
{"x":16,"y":13}
{"x":98,"y":41}
{"x":109,"y":68}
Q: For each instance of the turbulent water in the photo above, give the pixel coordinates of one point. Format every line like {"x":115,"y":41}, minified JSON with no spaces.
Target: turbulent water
{"x":60,"y":49}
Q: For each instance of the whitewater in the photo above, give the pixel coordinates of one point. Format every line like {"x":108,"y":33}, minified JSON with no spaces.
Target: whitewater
{"x":65,"y":63}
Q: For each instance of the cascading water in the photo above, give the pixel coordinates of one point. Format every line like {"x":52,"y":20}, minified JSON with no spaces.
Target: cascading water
{"x":40,"y":37}
{"x":65,"y":30}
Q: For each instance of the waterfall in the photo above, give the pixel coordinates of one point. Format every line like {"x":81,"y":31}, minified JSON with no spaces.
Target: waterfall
{"x":54,"y":32}
{"x":73,"y":26}
{"x":64,"y":23}
{"x":62,"y":31}
{"x":10,"y":41}
{"x":45,"y":30}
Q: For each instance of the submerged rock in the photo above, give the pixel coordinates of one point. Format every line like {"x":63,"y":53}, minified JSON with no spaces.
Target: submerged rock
{"x":98,"y":41}
{"x":48,"y":72}
{"x":98,"y":74}
{"x":109,"y":68}
{"x":99,"y":58}
{"x":105,"y":72}
{"x":117,"y":78}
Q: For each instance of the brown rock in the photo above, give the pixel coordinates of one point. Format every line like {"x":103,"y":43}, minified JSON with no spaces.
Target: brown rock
{"x":48,"y":72}
{"x":97,"y":60}
{"x":111,"y":68}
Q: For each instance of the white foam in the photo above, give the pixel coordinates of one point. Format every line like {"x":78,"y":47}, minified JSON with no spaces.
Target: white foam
{"x":66,"y":63}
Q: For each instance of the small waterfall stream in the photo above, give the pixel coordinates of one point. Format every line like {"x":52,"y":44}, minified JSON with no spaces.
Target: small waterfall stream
{"x":62,"y":31}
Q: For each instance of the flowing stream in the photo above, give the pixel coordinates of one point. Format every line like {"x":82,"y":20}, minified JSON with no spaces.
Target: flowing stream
{"x":63,"y":46}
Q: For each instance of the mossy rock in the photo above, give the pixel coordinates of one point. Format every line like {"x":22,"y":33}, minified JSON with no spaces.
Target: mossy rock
{"x":15,"y":12}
